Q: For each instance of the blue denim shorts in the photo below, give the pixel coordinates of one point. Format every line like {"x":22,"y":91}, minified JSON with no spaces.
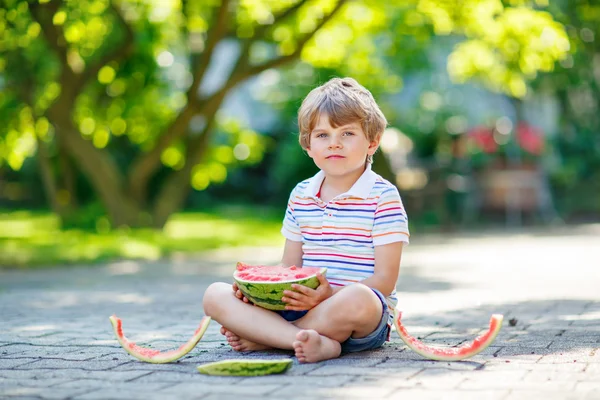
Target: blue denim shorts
{"x":372,"y":341}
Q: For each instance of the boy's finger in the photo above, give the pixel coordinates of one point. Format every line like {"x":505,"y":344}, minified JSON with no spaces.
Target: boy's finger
{"x":302,"y":289}
{"x":290,"y":302}
{"x":293,"y":295}
{"x":322,"y":279}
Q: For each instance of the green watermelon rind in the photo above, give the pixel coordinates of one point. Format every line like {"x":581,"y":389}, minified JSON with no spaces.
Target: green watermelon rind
{"x":268,"y":294}
{"x":245,"y":367}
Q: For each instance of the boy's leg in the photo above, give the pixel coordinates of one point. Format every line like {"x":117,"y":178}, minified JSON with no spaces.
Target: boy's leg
{"x":257,"y":324}
{"x":253,"y":323}
{"x":353,"y":311}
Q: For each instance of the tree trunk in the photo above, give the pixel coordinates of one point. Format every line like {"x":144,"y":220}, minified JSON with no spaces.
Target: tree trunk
{"x":68,"y":174}
{"x":49,"y":182}
{"x":102,"y":172}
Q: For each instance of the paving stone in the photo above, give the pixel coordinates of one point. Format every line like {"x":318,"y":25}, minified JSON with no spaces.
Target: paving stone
{"x":107,"y":376}
{"x":349,"y":391}
{"x":57,"y":363}
{"x":334,"y":370}
{"x":523,"y":394}
{"x":6,"y":363}
{"x":119,"y":394}
{"x":97,"y":384}
{"x":40,"y":392}
{"x":40,"y":382}
{"x":189,"y":388}
{"x":436,"y":394}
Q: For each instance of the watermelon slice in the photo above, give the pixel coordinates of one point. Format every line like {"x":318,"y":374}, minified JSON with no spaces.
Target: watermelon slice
{"x":443,"y":353}
{"x":244,"y":367}
{"x":264,"y":285}
{"x":156,"y":356}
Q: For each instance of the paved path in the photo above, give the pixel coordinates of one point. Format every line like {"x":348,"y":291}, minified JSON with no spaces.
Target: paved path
{"x":56,"y":340}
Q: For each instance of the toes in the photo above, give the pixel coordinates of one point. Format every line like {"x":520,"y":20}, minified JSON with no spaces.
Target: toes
{"x":223,"y":330}
{"x":302,"y":336}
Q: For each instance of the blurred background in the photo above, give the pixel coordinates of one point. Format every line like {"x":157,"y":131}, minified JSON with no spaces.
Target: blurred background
{"x":160,"y":128}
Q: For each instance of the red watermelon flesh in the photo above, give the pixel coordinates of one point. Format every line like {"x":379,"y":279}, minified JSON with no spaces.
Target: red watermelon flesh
{"x":261,"y":273}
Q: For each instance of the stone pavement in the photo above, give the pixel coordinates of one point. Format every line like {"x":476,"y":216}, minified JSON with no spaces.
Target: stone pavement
{"x":56,"y":340}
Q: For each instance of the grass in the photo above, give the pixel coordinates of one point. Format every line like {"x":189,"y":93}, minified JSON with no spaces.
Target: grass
{"x":34,"y":239}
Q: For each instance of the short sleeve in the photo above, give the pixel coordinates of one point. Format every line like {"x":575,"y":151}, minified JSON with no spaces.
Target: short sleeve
{"x":290,"y":229}
{"x":390,"y":223}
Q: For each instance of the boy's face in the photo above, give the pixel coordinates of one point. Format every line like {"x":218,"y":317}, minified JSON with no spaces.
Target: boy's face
{"x":342,"y":150}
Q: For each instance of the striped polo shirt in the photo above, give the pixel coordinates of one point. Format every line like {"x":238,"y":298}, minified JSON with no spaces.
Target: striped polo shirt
{"x":342,"y":234}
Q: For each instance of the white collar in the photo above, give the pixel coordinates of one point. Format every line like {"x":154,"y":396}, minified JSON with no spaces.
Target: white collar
{"x":361,"y":188}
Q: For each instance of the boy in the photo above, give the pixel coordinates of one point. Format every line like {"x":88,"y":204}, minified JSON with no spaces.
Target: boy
{"x":345,"y":218}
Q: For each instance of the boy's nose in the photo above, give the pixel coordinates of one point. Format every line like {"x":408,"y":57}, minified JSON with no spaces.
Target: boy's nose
{"x":334,"y":143}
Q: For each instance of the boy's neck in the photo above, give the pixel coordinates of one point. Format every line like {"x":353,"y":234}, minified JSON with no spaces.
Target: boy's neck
{"x":333,"y":186}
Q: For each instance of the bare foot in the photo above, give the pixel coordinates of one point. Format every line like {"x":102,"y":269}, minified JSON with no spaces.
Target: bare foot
{"x":240,"y":344}
{"x":311,"y":347}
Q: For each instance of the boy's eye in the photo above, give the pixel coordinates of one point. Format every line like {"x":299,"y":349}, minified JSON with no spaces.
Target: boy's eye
{"x":349,"y":133}
{"x":321,"y":135}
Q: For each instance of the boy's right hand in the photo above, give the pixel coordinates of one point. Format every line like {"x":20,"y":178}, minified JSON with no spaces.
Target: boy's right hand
{"x":238,"y":293}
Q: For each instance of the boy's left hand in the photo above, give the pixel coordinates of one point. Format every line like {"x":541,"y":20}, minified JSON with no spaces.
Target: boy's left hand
{"x":304,"y":298}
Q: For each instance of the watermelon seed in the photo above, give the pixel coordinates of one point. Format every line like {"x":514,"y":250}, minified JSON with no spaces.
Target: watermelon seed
{"x":115,"y":359}
{"x":512,"y":321}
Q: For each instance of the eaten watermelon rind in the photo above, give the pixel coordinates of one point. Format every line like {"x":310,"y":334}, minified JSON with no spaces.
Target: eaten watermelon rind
{"x":245,"y":367}
{"x":156,"y":356}
{"x":268,"y":294}
{"x":443,"y":353}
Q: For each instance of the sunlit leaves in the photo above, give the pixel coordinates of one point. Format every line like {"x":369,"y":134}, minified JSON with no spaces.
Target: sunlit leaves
{"x":505,"y":47}
{"x":18,"y":139}
{"x":236,"y":145}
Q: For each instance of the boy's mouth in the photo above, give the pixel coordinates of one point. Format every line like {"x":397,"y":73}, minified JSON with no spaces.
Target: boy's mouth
{"x":334,"y":156}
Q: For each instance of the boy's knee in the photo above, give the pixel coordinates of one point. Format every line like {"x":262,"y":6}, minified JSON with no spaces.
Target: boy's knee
{"x":361,"y":300}
{"x":213,"y":298}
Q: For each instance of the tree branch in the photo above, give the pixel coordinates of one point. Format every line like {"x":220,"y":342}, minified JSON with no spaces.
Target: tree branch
{"x":240,"y":74}
{"x":43,"y":14}
{"x":277,"y":62}
{"x":261,"y":30}
{"x":118,"y":54}
{"x":214,"y":35}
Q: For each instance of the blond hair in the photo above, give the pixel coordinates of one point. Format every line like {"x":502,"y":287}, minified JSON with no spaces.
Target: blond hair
{"x":345,"y":101}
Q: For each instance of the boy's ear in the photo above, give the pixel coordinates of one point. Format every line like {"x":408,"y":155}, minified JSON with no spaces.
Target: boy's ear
{"x":373,"y":146}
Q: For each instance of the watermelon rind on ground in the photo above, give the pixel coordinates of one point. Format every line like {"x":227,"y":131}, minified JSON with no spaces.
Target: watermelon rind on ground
{"x":245,"y":367}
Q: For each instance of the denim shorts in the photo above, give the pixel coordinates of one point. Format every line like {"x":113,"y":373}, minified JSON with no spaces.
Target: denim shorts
{"x":372,"y":341}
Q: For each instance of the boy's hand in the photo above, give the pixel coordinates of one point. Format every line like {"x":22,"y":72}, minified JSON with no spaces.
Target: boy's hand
{"x":238,"y":293}
{"x":304,"y":298}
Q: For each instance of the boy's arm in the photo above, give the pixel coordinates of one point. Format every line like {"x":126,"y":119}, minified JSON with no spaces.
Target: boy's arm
{"x":387,"y":268}
{"x":292,"y":254}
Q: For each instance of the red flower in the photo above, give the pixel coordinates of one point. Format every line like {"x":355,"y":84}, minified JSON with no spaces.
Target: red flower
{"x":483,"y":138}
{"x":530,"y":138}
